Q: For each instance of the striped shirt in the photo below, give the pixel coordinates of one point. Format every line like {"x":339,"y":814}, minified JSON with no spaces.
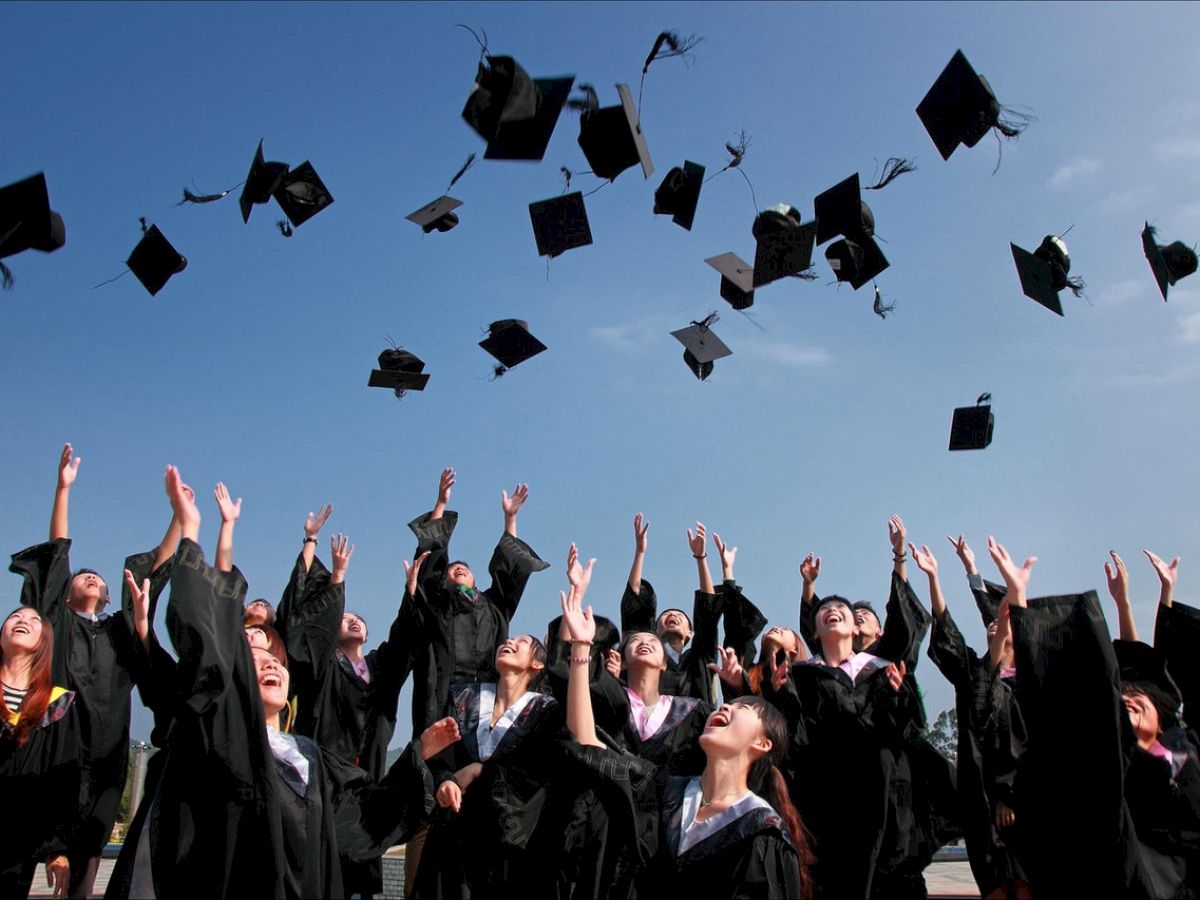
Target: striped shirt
{"x":14,"y":697}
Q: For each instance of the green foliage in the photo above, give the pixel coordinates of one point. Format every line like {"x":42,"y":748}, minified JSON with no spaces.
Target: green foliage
{"x":944,"y":734}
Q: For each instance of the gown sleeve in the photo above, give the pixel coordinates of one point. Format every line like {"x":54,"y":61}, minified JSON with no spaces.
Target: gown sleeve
{"x":393,"y":658}
{"x":706,"y":613}
{"x":312,"y":618}
{"x":744,"y":622}
{"x":626,"y":786}
{"x":46,"y":573}
{"x":906,"y":622}
{"x":639,"y":610}
{"x":513,"y":561}
{"x":808,"y":625}
{"x":949,"y":651}
{"x":433,"y":535}
{"x":1177,"y":638}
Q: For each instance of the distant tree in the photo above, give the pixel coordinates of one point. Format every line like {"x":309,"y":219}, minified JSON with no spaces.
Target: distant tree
{"x":944,"y":733}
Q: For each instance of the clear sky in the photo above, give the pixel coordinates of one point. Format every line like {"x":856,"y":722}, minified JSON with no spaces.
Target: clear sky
{"x":251,"y":366}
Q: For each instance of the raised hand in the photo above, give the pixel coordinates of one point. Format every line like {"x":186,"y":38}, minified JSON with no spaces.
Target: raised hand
{"x":340,"y":549}
{"x":449,"y":796}
{"x":578,"y":575}
{"x":579,"y":621}
{"x":512,"y":505}
{"x":411,"y":570}
{"x":1118,"y":579}
{"x":810,"y":568}
{"x":964,"y":553}
{"x":729,"y":669}
{"x":230,"y":509}
{"x":896,"y":534}
{"x":696,"y":541}
{"x":183,"y":504}
{"x":445,"y":483}
{"x":141,"y":605}
{"x":924,"y":559}
{"x":67,"y":470}
{"x":438,"y":736}
{"x":314,"y":522}
{"x":728,"y":554}
{"x":1167,"y":574}
{"x":612,"y":662}
{"x":640,"y":527}
{"x":895,"y":675}
{"x":1016,"y":579}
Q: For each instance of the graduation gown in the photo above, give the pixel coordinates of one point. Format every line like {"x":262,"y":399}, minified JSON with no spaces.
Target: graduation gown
{"x":748,"y":857}
{"x":843,"y":770}
{"x":991,"y":738}
{"x":455,"y":638}
{"x":226,"y":816}
{"x":744,"y":621}
{"x":500,"y":836}
{"x":687,"y":676}
{"x":104,"y":660}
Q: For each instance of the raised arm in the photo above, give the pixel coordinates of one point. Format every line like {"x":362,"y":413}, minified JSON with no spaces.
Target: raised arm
{"x":582,"y":627}
{"x":340,"y":550}
{"x":1016,"y":579}
{"x":230,"y":510}
{"x":640,"y":542}
{"x":700,"y":554}
{"x":67,"y":470}
{"x":897,"y":534}
{"x":512,"y":505}
{"x":1167,"y":576}
{"x":445,"y":484}
{"x":810,"y":569}
{"x":927,"y":564}
{"x":947,"y":648}
{"x":1117,"y":577}
{"x":312,"y":528}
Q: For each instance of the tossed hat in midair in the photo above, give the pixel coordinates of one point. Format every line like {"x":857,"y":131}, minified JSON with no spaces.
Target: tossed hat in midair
{"x":960,"y":108}
{"x":1045,"y":272}
{"x":261,"y":182}
{"x":1169,"y":262}
{"x":737,"y":280}
{"x":679,"y":194}
{"x":971,"y":428}
{"x":560,"y":224}
{"x":510,"y":342}
{"x":783,"y":245}
{"x":439,"y":214}
{"x":27,"y":222}
{"x":701,"y":346}
{"x":154,"y":260}
{"x":611,"y":136}
{"x":856,"y":260}
{"x":301,"y":194}
{"x":399,"y":371}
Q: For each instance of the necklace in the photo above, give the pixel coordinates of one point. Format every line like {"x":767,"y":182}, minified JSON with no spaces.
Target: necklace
{"x":704,"y":803}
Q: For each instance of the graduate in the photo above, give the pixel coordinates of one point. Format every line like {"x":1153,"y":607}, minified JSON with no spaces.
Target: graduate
{"x":242,"y":807}
{"x":991,"y":738}
{"x":686,"y":674}
{"x":730,"y":831}
{"x":103,"y":660}
{"x":39,"y":755}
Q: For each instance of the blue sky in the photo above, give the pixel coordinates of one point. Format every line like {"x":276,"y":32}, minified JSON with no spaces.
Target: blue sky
{"x":250,"y":367}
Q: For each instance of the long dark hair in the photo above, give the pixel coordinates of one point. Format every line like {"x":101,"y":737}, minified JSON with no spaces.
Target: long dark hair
{"x":41,"y":683}
{"x":766,"y":780}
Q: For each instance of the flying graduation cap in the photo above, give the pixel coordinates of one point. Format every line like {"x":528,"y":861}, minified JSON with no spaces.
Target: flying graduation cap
{"x":399,"y":371}
{"x":611,"y":137}
{"x":737,"y":280}
{"x":784,"y":246}
{"x":855,"y":258}
{"x":560,"y":224}
{"x":510,"y":342}
{"x":679,"y":194}
{"x":27,"y":222}
{"x":154,"y":260}
{"x":261,"y":182}
{"x":701,"y":346}
{"x":1168,"y":263}
{"x":301,"y":194}
{"x":960,"y":108}
{"x":1044,"y":272}
{"x":971,"y":428}
{"x":439,"y":214}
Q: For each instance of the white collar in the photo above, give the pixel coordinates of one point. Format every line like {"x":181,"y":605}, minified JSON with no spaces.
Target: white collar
{"x":487,"y":735}
{"x":692,"y":832}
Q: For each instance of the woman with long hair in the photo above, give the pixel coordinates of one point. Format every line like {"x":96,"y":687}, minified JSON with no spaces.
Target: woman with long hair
{"x":731,"y":831}
{"x":39,"y":756}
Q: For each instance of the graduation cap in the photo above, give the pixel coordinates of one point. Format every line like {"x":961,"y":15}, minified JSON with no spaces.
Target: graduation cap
{"x":841,"y":210}
{"x":261,"y":182}
{"x":1044,"y":272}
{"x":400,"y":371}
{"x":737,"y":280}
{"x":784,"y":246}
{"x":856,"y":261}
{"x":528,"y":138}
{"x":701,"y":346}
{"x":510,"y":342}
{"x":560,"y":224}
{"x":437,"y":216}
{"x":301,"y":194}
{"x":1169,"y":263}
{"x":971,"y":428}
{"x":679,"y":194}
{"x":503,"y":92}
{"x":27,"y":222}
{"x":153,"y":261}
{"x":960,"y":108}
{"x":611,"y":138}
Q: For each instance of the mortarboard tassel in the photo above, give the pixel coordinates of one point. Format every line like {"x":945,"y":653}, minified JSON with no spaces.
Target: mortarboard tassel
{"x":498,"y":371}
{"x":1076,"y":286}
{"x":284,"y":227}
{"x":881,"y":308}
{"x":737,"y":153}
{"x":892,"y":169}
{"x":483,"y":50}
{"x":189,"y":197}
{"x":708,"y":321}
{"x":590,"y":102}
{"x":674,"y":46}
{"x":6,"y":277}
{"x":809,"y":274}
{"x":463,"y":171}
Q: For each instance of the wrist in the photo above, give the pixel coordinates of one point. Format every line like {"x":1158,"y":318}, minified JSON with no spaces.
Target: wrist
{"x":700,"y":556}
{"x":309,"y":538}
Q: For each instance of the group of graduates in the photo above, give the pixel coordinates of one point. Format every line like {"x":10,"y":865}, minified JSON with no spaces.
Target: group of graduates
{"x":702,"y":752}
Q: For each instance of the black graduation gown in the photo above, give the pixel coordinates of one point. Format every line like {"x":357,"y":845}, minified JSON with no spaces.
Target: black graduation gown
{"x":842,"y":769}
{"x":1070,"y":786}
{"x":1177,"y":638}
{"x":224,"y":818}
{"x":455,"y":639}
{"x":752,"y":857}
{"x":744,"y":621}
{"x":689,"y":676}
{"x":104,"y":659}
{"x":501,"y":835}
{"x":991,"y":738}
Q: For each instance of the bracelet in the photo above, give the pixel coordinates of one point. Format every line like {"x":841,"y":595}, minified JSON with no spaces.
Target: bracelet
{"x":573,"y":641}
{"x":309,"y":539}
{"x":580,"y":659}
{"x":701,"y":556}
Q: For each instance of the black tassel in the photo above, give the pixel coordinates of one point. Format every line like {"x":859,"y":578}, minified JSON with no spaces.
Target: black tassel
{"x":893,"y":169}
{"x":498,"y":371}
{"x":588,"y":103}
{"x":6,"y":277}
{"x":284,"y":227}
{"x":111,"y":280}
{"x":189,"y":197}
{"x":1011,"y":123}
{"x":881,"y":308}
{"x":463,"y":171}
{"x":809,"y":274}
{"x":567,"y":175}
{"x":145,"y":227}
{"x":1076,"y":286}
{"x":674,"y":46}
{"x":483,"y":50}
{"x":985,"y":397}
{"x":705,"y":323}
